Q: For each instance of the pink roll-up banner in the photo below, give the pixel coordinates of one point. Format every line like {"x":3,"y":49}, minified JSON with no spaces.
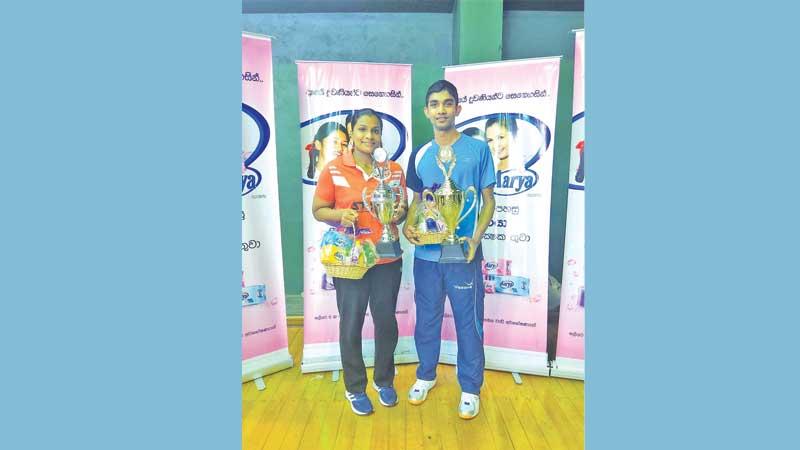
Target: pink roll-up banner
{"x":328,"y":92}
{"x":512,"y":106}
{"x":569,"y":362}
{"x":264,"y":336}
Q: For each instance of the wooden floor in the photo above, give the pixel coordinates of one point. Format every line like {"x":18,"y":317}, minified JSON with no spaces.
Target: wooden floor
{"x":310,"y":412}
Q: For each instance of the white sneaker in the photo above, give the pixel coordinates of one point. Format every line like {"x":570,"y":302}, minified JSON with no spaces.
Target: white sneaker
{"x":419,"y":391}
{"x":469,"y":406}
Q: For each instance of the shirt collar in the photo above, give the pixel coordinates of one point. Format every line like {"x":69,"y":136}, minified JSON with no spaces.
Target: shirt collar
{"x":350,"y":161}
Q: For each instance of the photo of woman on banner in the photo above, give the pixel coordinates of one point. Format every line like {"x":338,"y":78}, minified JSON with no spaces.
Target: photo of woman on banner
{"x":501,"y":134}
{"x":329,"y":142}
{"x":338,"y":202}
{"x":514,"y":141}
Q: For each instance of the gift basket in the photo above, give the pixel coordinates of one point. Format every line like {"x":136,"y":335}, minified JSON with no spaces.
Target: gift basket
{"x":344,"y":256}
{"x":431,"y":228}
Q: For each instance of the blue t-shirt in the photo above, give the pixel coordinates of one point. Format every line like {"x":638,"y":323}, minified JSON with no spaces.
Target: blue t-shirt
{"x":474,"y":167}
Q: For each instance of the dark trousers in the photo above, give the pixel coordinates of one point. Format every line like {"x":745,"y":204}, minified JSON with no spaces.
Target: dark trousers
{"x":378,"y":289}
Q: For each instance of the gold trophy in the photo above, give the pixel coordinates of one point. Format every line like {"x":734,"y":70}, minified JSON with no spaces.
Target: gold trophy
{"x":449,"y":201}
{"x":382,"y":203}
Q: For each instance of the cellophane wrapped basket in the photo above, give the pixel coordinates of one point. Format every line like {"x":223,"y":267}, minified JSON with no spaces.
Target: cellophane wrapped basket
{"x":431,"y":228}
{"x":343,"y":256}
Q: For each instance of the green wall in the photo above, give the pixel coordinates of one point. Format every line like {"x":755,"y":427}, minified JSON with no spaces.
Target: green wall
{"x":287,"y":138}
{"x":477,"y":31}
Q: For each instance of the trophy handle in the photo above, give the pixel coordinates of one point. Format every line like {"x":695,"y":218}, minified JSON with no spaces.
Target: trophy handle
{"x":425,"y":194}
{"x":402,"y":195}
{"x":355,"y":235}
{"x":366,"y":204}
{"x":474,"y":201}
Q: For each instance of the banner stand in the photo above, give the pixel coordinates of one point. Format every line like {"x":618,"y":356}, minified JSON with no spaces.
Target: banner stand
{"x":503,"y":359}
{"x":259,"y":366}
{"x":323,"y":357}
{"x":570,"y":345}
{"x":511,"y":106}
{"x":328,"y":93}
{"x":568,"y":368}
{"x":264,"y":329}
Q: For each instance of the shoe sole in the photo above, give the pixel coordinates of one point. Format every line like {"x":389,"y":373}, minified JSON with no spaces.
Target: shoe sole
{"x":465,"y":417}
{"x":388,"y":405}
{"x":424,"y":396}
{"x":359,"y":413}
{"x":418,"y":402}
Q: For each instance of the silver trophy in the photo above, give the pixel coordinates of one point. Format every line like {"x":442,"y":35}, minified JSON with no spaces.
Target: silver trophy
{"x":382,"y":203}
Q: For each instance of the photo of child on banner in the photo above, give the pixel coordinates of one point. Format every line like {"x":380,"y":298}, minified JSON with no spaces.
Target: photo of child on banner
{"x":329,"y":141}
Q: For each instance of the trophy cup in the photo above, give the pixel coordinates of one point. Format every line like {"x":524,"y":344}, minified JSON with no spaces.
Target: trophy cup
{"x":381,"y":204}
{"x":449,"y":200}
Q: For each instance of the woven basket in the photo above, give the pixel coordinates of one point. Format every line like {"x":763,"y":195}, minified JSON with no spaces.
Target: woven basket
{"x":431,"y":238}
{"x":350,"y":272}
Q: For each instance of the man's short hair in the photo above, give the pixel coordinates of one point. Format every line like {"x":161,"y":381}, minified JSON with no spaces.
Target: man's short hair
{"x":439,"y":86}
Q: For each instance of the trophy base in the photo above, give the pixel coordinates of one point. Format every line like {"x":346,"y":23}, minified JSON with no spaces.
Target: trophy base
{"x":388,"y":249}
{"x":453,"y":254}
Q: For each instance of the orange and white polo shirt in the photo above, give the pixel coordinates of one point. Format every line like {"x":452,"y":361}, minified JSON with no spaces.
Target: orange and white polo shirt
{"x":342,"y":182}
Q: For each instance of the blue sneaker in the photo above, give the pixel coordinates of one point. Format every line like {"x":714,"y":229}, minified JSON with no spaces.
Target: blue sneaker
{"x":359,"y":403}
{"x":386,"y":395}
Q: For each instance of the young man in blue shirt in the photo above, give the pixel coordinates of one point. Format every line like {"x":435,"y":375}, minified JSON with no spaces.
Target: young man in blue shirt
{"x":461,"y":283}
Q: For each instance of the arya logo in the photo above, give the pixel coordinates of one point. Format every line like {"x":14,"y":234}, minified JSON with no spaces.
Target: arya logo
{"x":255,"y":137}
{"x":513,"y":183}
{"x":516,"y":141}
{"x":506,"y":284}
{"x":491,"y":265}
